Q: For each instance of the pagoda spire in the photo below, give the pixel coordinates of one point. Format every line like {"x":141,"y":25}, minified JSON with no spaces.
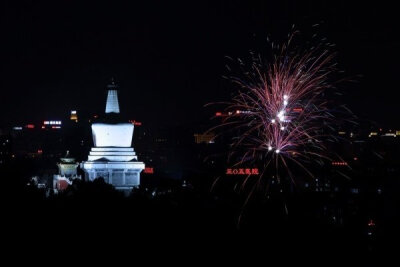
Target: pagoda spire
{"x":112,"y":105}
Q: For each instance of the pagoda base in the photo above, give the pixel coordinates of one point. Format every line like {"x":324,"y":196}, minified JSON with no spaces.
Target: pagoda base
{"x":122,"y":175}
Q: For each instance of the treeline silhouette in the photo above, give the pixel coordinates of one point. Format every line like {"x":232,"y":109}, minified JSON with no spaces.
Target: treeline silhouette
{"x":197,"y":218}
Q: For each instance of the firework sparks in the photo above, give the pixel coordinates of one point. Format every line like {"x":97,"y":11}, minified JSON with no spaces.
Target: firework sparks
{"x":281,"y":115}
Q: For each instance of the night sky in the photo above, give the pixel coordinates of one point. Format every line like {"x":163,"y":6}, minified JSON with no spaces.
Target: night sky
{"x":169,"y":57}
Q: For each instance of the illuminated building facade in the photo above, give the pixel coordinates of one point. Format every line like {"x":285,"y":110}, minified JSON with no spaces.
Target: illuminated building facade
{"x":74,"y":116}
{"x":67,"y":172}
{"x":113,"y":157}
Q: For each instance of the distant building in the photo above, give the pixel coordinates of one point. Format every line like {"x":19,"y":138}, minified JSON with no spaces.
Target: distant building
{"x":52,"y":125}
{"x":5,"y":148}
{"x":67,"y":172}
{"x":112,"y":156}
{"x":207,"y":138}
{"x":74,"y":116}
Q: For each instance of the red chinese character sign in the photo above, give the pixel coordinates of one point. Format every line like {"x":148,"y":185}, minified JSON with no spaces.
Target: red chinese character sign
{"x":242,"y":171}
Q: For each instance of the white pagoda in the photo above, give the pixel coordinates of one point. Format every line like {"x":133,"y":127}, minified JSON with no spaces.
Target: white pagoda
{"x":112,"y":156}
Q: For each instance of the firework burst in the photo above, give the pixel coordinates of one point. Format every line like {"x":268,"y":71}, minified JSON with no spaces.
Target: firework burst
{"x":281,"y":117}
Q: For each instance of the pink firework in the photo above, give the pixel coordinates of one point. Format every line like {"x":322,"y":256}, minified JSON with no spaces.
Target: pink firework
{"x":280,"y":114}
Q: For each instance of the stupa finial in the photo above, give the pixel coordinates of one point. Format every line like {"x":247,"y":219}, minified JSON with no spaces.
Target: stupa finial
{"x":112,"y":105}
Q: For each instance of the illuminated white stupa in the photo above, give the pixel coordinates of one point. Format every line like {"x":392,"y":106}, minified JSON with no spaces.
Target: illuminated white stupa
{"x":112,"y":156}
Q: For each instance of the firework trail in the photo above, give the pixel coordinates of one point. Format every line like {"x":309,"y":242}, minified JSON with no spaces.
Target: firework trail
{"x":281,"y":116}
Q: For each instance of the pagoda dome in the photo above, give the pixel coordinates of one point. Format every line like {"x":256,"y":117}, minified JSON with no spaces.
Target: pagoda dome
{"x":111,"y":130}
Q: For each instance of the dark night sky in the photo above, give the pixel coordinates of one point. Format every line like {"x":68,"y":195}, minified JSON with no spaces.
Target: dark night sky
{"x":168,"y":57}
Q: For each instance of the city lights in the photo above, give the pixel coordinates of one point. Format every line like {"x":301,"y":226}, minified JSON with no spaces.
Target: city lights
{"x":52,"y":122}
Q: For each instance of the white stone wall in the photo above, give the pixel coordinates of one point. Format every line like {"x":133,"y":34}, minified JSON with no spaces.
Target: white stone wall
{"x":119,"y":174}
{"x":112,"y":135}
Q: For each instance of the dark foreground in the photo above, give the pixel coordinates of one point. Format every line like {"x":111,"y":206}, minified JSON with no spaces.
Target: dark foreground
{"x":189,"y":226}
